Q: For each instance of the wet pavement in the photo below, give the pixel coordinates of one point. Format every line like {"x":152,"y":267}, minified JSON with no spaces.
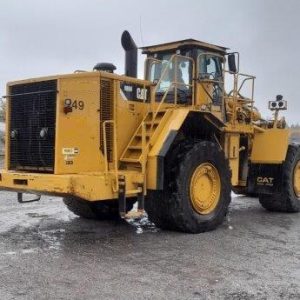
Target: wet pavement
{"x":48,"y":253}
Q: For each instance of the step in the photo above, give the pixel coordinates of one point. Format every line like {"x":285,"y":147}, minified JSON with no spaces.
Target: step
{"x":134,"y":150}
{"x":132,"y":192}
{"x":130,"y":160}
{"x":156,"y":119}
{"x":135,"y":214}
{"x":132,"y":154}
{"x":131,"y":147}
{"x":161,"y":112}
{"x":155,"y":122}
{"x":147,"y":135}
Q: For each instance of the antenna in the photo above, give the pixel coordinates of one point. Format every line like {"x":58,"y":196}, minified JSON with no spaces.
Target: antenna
{"x":141,"y":31}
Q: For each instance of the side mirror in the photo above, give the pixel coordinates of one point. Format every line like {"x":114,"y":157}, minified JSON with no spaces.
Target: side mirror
{"x":231,"y":63}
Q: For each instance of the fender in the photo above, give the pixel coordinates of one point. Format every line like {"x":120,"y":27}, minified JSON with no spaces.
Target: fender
{"x":270,"y":146}
{"x":175,"y":121}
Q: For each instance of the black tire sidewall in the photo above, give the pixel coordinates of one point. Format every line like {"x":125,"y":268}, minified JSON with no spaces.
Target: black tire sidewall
{"x":286,"y":201}
{"x":293,"y":157}
{"x":204,"y":152}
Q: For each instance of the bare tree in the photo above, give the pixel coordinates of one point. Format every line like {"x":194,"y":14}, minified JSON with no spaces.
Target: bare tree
{"x":2,"y":110}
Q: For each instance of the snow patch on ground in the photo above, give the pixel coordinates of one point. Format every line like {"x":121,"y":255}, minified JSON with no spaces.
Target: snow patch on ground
{"x":22,"y":251}
{"x":31,"y":214}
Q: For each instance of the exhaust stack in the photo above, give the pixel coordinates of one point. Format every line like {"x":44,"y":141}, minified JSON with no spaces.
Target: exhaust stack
{"x":130,"y":54}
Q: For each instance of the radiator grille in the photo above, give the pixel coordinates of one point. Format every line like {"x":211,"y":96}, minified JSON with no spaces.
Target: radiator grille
{"x":32,"y":126}
{"x":106,"y":113}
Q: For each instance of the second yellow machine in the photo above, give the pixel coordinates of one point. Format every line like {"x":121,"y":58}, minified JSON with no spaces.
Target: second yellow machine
{"x":176,"y":142}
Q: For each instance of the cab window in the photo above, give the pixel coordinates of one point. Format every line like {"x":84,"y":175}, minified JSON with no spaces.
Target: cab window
{"x":171,"y":74}
{"x":209,"y":67}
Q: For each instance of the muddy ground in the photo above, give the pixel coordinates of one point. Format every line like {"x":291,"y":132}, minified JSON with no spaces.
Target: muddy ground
{"x":48,"y":253}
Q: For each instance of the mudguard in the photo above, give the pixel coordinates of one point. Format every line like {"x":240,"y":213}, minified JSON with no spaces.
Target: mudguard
{"x":163,"y":141}
{"x":270,"y":146}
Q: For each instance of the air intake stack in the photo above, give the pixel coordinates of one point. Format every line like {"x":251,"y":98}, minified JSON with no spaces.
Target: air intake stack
{"x":130,"y":54}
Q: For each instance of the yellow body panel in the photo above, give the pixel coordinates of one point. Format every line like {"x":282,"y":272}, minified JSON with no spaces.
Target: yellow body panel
{"x":78,"y":132}
{"x":174,"y":120}
{"x":79,"y":163}
{"x":89,"y":186}
{"x":203,"y":90}
{"x":270,"y":147}
{"x":232,"y":145}
{"x":129,"y":115}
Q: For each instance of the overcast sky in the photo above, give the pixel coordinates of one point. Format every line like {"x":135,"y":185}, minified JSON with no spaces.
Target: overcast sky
{"x":43,"y":37}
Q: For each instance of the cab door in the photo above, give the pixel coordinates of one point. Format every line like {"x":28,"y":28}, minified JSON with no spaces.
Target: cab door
{"x":210,"y":83}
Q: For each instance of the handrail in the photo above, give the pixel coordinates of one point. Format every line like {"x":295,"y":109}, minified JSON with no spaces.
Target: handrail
{"x":207,"y":80}
{"x":237,"y":86}
{"x":144,"y":154}
{"x":147,"y":67}
{"x":115,"y":154}
{"x":248,"y":77}
{"x":208,"y":54}
{"x":167,"y":66}
{"x":145,"y":145}
{"x":173,"y":83}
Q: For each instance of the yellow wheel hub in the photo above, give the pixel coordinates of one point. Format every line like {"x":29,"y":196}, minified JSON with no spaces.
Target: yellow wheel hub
{"x":296,"y":179}
{"x":205,"y":188}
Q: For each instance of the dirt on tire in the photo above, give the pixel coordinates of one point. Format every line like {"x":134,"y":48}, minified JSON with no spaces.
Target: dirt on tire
{"x":171,"y":208}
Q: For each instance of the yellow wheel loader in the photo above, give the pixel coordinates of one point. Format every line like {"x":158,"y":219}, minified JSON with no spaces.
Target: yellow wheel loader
{"x":177,"y":142}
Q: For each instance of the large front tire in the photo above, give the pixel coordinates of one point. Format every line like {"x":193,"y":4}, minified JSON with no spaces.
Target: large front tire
{"x":197,"y":188}
{"x":289,"y":198}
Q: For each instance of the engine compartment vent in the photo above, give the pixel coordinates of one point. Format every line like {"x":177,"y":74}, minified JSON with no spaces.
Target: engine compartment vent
{"x":32,"y":126}
{"x":106,"y":114}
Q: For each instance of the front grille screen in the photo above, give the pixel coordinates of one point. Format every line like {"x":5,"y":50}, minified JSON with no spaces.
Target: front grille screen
{"x":106,"y":114}
{"x":32,"y":126}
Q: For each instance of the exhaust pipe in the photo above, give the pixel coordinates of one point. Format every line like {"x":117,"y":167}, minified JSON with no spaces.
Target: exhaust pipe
{"x":130,"y":54}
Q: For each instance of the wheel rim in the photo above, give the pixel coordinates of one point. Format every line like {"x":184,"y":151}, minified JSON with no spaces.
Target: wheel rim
{"x":205,"y":188}
{"x":296,"y":179}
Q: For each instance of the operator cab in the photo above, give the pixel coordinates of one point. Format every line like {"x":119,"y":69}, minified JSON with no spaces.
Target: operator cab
{"x":175,"y":67}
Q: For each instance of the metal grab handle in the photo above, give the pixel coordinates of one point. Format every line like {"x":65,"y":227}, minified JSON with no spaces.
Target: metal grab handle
{"x":20,"y":198}
{"x":115,"y":154}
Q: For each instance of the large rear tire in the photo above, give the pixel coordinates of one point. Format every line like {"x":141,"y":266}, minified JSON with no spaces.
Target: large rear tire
{"x":99,"y":210}
{"x":289,"y":198}
{"x":197,"y":188}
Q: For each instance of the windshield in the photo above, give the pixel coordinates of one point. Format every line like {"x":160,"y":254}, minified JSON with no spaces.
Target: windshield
{"x":170,"y":72}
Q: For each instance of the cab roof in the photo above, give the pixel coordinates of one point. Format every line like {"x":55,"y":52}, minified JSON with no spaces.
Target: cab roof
{"x":188,"y":43}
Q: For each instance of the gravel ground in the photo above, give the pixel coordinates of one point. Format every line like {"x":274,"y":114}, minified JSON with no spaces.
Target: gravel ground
{"x":48,"y":253}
